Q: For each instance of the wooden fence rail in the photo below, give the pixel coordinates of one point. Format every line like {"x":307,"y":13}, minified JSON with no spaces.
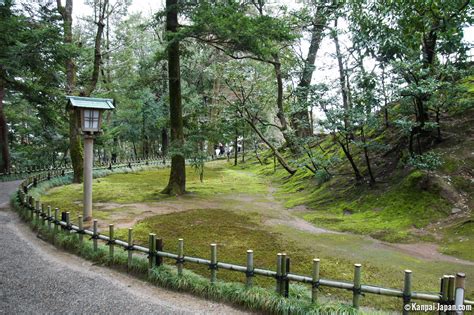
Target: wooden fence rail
{"x":451,"y":287}
{"x":22,"y":172}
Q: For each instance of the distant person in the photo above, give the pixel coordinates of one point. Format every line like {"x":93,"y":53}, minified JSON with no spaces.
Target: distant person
{"x":221,"y":149}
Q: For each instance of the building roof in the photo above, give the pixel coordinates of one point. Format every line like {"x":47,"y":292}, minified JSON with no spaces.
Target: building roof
{"x":91,"y":102}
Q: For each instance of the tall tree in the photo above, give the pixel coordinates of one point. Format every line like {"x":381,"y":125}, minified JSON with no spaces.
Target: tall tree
{"x":177,"y":180}
{"x":75,"y":140}
{"x":299,"y":118}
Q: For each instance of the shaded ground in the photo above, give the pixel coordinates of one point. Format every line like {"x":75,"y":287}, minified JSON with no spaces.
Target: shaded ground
{"x":36,"y":278}
{"x":238,"y":210}
{"x":273,"y":212}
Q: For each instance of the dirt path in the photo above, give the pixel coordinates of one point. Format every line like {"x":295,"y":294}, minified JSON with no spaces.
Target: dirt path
{"x":274,"y":215}
{"x":36,"y":278}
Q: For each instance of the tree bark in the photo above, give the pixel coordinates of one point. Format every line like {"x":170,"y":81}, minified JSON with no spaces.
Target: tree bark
{"x":286,"y":132}
{"x":275,"y":151}
{"x":349,"y":157}
{"x":4,"y":148}
{"x":367,"y":158}
{"x":177,"y":180}
{"x":342,"y":79}
{"x":75,"y":139}
{"x":300,"y":120}
{"x":164,"y":142}
{"x":97,"y":48}
{"x":236,"y":153}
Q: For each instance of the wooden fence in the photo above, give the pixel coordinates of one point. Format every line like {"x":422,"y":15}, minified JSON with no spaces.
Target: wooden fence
{"x":32,"y":171}
{"x":451,"y":294}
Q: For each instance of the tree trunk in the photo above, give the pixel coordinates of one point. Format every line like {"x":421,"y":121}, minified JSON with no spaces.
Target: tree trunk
{"x":280,"y":110}
{"x":299,"y":120}
{"x":164,"y":142}
{"x":75,"y":141}
{"x":367,"y":158}
{"x":243,"y":147}
{"x":349,"y":157}
{"x":385,"y":102}
{"x":277,"y":154}
{"x":5,"y":154}
{"x":235,"y":148}
{"x":342,"y":80}
{"x":177,"y":180}
{"x":97,"y":48}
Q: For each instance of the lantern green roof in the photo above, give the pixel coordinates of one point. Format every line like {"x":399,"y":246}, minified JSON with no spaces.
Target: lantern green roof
{"x":90,"y":102}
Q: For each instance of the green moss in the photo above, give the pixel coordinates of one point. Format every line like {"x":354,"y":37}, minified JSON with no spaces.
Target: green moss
{"x":146,"y":186}
{"x":459,"y":240}
{"x":387,"y":215}
{"x":449,"y":165}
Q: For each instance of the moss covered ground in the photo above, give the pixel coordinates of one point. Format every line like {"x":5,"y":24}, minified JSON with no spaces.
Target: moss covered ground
{"x":240,"y":205}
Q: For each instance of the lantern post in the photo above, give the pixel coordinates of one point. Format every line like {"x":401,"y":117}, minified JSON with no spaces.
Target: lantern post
{"x":90,"y":111}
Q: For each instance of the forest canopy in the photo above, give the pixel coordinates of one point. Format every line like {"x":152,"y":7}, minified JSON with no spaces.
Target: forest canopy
{"x":199,"y":78}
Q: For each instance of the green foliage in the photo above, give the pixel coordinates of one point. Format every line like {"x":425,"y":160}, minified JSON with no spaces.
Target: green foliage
{"x":428,"y":161}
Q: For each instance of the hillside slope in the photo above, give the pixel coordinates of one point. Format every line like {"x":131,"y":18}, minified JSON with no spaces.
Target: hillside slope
{"x":406,"y":205}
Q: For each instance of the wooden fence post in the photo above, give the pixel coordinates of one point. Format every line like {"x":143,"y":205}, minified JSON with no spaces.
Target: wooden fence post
{"x":111,"y":241}
{"x":213,"y":265}
{"x":49,"y":218}
{"x":451,"y":290}
{"x":407,"y":292}
{"x":56,"y":223}
{"x":283,"y":272}
{"x":130,"y":251}
{"x":278,"y":273}
{"x":356,"y":289}
{"x":37,"y":211}
{"x":180,"y":256}
{"x":95,"y":234}
{"x":459,"y":292}
{"x":287,"y":281}
{"x":315,"y":276}
{"x":249,"y":274}
{"x":68,"y":222}
{"x":43,"y":214}
{"x":152,"y":250}
{"x":159,"y":247}
{"x":81,"y":229}
{"x":32,"y":208}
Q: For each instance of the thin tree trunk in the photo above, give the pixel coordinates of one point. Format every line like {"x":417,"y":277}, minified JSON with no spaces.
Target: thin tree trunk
{"x":342,"y":79}
{"x":97,"y":49}
{"x":280,"y":110}
{"x":299,"y":120}
{"x":243,"y":147}
{"x":275,"y":151}
{"x":164,"y":142}
{"x":177,"y":180}
{"x":349,"y":157}
{"x":367,"y":158}
{"x":235,"y":147}
{"x":385,"y":102}
{"x":4,"y":148}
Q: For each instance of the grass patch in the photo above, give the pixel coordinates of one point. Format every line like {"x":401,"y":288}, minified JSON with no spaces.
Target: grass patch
{"x":145,"y":186}
{"x":255,"y":298}
{"x":459,"y":240}
{"x":385,"y":215}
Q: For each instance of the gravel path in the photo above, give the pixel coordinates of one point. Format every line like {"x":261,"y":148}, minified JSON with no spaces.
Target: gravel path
{"x":36,"y":278}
